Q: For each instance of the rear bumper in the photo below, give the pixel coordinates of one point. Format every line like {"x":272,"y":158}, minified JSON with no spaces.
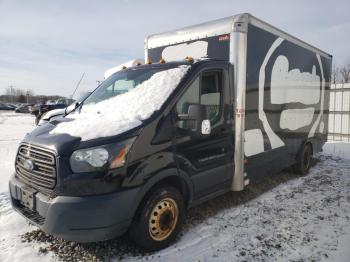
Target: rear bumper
{"x":80,"y":219}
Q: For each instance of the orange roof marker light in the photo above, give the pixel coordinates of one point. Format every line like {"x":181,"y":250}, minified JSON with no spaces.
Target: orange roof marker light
{"x":189,"y":59}
{"x":162,"y":61}
{"x":138,"y":64}
{"x":149,"y":61}
{"x":124,"y":67}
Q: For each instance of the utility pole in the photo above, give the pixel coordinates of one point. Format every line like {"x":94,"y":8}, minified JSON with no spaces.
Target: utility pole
{"x":11,"y":92}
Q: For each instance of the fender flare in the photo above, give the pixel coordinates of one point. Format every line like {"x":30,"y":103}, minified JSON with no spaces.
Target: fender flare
{"x":307,"y":141}
{"x":156,"y":178}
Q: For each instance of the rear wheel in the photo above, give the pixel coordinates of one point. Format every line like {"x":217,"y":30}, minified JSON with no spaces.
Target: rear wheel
{"x":304,"y":158}
{"x":159,"y":219}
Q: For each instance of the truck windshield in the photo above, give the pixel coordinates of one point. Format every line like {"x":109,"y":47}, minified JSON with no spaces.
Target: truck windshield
{"x":121,"y":82}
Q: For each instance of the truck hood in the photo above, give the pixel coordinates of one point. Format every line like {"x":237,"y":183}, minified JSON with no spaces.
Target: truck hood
{"x":65,"y":144}
{"x":62,"y":144}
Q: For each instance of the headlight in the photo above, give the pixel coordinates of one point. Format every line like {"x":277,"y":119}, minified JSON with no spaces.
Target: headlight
{"x":98,"y":158}
{"x":95,"y":157}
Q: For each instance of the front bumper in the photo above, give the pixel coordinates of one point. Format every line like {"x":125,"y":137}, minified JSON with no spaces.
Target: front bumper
{"x":80,"y":219}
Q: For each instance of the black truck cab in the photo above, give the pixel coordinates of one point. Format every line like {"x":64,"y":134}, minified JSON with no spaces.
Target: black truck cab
{"x":180,"y":156}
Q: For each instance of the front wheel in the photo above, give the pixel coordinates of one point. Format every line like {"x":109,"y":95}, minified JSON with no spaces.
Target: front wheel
{"x":159,"y":219}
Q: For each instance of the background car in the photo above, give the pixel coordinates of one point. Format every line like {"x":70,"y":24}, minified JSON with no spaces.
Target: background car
{"x":49,"y":115}
{"x":5,"y":107}
{"x":23,"y":108}
{"x":11,"y":106}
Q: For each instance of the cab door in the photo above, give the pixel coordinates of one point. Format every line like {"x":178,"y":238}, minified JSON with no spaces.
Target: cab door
{"x":207,"y":159}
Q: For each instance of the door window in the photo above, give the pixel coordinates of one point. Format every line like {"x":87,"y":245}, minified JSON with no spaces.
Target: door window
{"x":211,"y":87}
{"x":206,"y":89}
{"x":190,"y":97}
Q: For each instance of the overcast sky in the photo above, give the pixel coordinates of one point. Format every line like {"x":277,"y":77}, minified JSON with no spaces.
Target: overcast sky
{"x":47,"y":45}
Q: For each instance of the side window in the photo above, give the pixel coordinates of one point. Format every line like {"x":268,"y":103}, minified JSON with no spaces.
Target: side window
{"x":191,"y":96}
{"x":211,"y":90}
{"x":206,"y":89}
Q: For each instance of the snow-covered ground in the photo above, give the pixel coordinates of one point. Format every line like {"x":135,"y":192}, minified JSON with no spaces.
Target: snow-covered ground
{"x":284,"y":218}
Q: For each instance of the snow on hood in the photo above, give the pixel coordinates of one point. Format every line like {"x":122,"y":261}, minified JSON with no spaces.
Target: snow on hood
{"x":123,"y":112}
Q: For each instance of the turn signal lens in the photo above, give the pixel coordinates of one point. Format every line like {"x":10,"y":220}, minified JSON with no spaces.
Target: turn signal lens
{"x":119,"y":160}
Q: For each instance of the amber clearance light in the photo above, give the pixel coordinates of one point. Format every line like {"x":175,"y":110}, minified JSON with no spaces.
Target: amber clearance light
{"x":189,"y":59}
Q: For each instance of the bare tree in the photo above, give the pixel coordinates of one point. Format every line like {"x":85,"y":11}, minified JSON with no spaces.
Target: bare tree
{"x":345,"y":73}
{"x":335,"y":74}
{"x":10,"y":91}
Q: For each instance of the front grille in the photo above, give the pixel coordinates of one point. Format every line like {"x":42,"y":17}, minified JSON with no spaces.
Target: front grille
{"x":42,"y":174}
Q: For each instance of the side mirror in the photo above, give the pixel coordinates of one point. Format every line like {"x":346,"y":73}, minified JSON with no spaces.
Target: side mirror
{"x":206,"y":127}
{"x":197,"y":120}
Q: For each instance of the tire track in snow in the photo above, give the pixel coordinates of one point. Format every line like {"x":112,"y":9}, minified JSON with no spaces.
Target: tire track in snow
{"x":5,"y":206}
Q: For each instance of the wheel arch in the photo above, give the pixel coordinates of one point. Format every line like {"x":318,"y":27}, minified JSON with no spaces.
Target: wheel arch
{"x":304,"y":143}
{"x":170,"y":177}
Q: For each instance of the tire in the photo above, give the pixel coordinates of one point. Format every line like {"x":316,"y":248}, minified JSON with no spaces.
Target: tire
{"x":304,"y":158}
{"x":159,"y":219}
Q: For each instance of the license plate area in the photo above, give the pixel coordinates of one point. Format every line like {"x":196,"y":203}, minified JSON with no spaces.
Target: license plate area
{"x":27,"y":197}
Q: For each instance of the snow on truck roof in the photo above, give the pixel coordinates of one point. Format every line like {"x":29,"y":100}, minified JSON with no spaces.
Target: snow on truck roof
{"x":219,"y":27}
{"x":123,"y":112}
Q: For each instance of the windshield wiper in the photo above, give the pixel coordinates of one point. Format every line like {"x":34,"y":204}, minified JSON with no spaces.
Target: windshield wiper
{"x":77,"y":105}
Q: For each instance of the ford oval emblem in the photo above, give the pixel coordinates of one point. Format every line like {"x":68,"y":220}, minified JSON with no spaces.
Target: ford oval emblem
{"x":28,"y":164}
